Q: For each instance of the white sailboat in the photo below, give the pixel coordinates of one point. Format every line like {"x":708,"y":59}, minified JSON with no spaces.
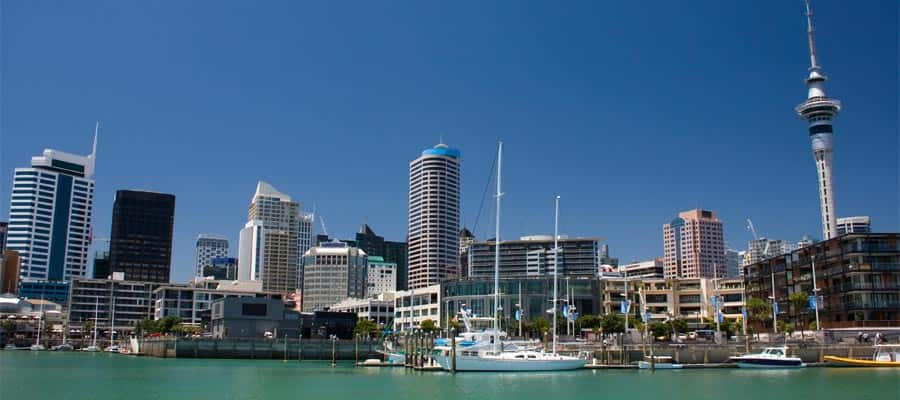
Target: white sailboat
{"x":37,"y":346}
{"x":487,"y":354}
{"x":93,"y":347}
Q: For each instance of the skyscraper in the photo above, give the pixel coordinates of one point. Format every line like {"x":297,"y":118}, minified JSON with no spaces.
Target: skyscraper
{"x":208,"y":248}
{"x":272,"y":252}
{"x":433,"y":238}
{"x":334,"y":271}
{"x":140,"y":244}
{"x":391,"y":252}
{"x":693,"y":243}
{"x":50,"y":215}
{"x":818,"y":110}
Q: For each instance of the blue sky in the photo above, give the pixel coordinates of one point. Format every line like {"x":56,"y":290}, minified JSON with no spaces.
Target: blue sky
{"x":632,"y":111}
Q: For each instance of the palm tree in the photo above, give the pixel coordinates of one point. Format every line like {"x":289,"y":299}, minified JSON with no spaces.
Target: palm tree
{"x":799,"y":301}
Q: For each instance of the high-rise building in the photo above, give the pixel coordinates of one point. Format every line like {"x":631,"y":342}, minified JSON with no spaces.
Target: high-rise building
{"x":381,"y":276}
{"x":534,"y":256}
{"x":466,"y":240}
{"x":605,"y":259}
{"x":333,"y":272}
{"x":764,"y":248}
{"x":279,"y":216}
{"x":861,"y":224}
{"x":304,"y":237}
{"x":9,"y":272}
{"x":50,"y":215}
{"x":251,"y":248}
{"x":208,"y":248}
{"x":693,"y":244}
{"x":101,"y":265}
{"x":4,"y":230}
{"x":434,"y":188}
{"x":140,"y":243}
{"x":221,"y":268}
{"x":734,"y":261}
{"x":397,"y":253}
{"x":392,"y":252}
{"x":819,"y":111}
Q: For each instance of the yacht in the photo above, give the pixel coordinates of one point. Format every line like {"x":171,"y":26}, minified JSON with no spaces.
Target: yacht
{"x":484,"y":350}
{"x":771,"y":357}
{"x":63,"y":347}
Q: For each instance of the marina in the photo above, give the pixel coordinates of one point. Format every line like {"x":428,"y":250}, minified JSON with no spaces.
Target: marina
{"x":82,"y":376}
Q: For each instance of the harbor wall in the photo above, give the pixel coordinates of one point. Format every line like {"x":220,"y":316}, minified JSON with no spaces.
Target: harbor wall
{"x":292,"y":349}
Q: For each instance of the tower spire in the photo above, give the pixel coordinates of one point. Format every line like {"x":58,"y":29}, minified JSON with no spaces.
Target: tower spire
{"x":810,"y":33}
{"x":94,"y":146}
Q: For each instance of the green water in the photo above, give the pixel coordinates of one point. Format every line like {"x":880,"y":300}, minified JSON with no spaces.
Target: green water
{"x":48,"y":375}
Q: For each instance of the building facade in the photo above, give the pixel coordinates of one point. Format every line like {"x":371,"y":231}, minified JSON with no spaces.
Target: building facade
{"x":272,"y":255}
{"x":391,"y":252}
{"x":534,"y":256}
{"x":141,"y":237}
{"x":433,"y":236}
{"x":694,"y":244}
{"x":377,"y":310}
{"x":9,"y":274}
{"x":861,"y":224}
{"x":650,"y":269}
{"x":209,"y":247}
{"x":101,"y":268}
{"x":251,"y":251}
{"x":381,"y":276}
{"x":118,"y":304}
{"x":857,"y":276}
{"x":413,"y":306}
{"x":50,"y":215}
{"x":333,"y":272}
{"x":191,"y":302}
{"x":221,"y":268}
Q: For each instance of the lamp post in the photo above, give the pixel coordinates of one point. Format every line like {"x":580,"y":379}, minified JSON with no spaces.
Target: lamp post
{"x":774,"y":302}
{"x":815,"y":290}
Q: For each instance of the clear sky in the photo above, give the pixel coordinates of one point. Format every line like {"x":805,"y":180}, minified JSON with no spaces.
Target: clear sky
{"x":631,"y":110}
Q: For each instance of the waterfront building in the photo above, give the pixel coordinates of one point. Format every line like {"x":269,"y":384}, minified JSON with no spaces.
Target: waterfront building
{"x":857,"y":276}
{"x":193,"y":301}
{"x":433,"y":236}
{"x":650,"y":269}
{"x":270,"y":240}
{"x":861,"y":224}
{"x":391,"y":252}
{"x":378,"y":310}
{"x":101,"y":268}
{"x":209,"y":247}
{"x":381,"y":276}
{"x":693,"y":245}
{"x":332,"y":272}
{"x":251,"y":317}
{"x":141,"y":237}
{"x":413,"y":306}
{"x":50,"y":215}
{"x":9,"y":272}
{"x":221,"y":268}
{"x":120,"y":303}
{"x":819,"y":111}
{"x":55,"y":291}
{"x":534,"y":256}
{"x":532,"y":293}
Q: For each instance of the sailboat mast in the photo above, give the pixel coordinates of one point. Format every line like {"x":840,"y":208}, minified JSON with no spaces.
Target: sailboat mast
{"x":497,"y":241}
{"x":555,"y":268}
{"x":96,"y":305}
{"x":40,"y":322}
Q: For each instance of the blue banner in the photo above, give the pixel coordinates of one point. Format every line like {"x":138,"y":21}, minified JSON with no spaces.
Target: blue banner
{"x":719,"y":317}
{"x":713,"y":301}
{"x":744,"y":313}
{"x":775,"y":306}
{"x":624,"y":306}
{"x":518,"y":315}
{"x":813,"y":304}
{"x":647,"y":316}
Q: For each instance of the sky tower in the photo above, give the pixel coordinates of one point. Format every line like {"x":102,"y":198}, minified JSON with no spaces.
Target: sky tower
{"x":818,"y":110}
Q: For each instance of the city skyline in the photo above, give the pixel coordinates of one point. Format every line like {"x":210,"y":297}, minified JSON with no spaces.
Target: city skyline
{"x":622,"y":197}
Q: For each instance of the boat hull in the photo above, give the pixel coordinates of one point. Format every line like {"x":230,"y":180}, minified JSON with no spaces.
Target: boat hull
{"x":855,"y":362}
{"x":646,"y":365}
{"x":473,"y":364}
{"x":768,"y":363}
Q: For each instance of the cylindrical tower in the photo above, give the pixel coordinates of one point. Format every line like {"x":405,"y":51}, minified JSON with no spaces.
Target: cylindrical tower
{"x":819,"y":111}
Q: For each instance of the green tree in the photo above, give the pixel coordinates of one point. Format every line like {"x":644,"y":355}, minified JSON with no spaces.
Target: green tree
{"x":427,"y":326}
{"x":679,"y":325}
{"x":455,"y":325}
{"x":538,"y":326}
{"x":365,"y":327}
{"x":799,"y":302}
{"x":588,"y":321}
{"x":659,"y":328}
{"x":759,"y":311}
{"x":612,"y":323}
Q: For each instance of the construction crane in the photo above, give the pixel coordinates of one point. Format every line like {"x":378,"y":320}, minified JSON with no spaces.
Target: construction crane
{"x":324,"y":229}
{"x":752,"y":229}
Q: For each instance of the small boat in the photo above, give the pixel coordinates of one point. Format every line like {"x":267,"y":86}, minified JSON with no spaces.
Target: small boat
{"x":63,"y":347}
{"x":886,"y":355}
{"x":124,"y":350}
{"x":771,"y":357}
{"x":12,"y":347}
{"x":37,"y":347}
{"x":659,"y":362}
{"x":92,"y":349}
{"x":112,"y":349}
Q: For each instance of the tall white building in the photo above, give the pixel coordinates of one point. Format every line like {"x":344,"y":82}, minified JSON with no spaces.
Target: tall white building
{"x":434,"y":187}
{"x":381,"y":276}
{"x":50,"y":215}
{"x":333,"y":271}
{"x":271,"y":252}
{"x":304,"y":239}
{"x":819,"y":110}
{"x":208,"y":248}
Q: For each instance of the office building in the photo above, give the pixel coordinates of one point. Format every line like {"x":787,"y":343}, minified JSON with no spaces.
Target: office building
{"x":693,"y":245}
{"x":270,"y":241}
{"x":857,"y":276}
{"x":763,"y":248}
{"x":605,"y":259}
{"x":304,"y":238}
{"x":413,"y":306}
{"x":433,"y":235}
{"x":861,"y":224}
{"x":101,"y":268}
{"x":819,"y":111}
{"x":650,"y":269}
{"x":50,"y":215}
{"x":734,"y":259}
{"x":332,"y":272}
{"x":249,"y":317}
{"x":208,"y":248}
{"x":466,"y":240}
{"x":381,"y":276}
{"x":392,"y":252}
{"x":533,"y":256}
{"x":4,"y":231}
{"x":378,"y":310}
{"x":192,"y":302}
{"x":141,"y":239}
{"x":119,"y":304}
{"x":9,"y":274}
{"x":221,"y":268}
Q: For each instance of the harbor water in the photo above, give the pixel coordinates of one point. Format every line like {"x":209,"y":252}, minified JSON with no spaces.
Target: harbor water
{"x":51,"y":375}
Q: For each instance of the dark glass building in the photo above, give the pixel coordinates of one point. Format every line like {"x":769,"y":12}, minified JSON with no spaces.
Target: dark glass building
{"x":392,"y":252}
{"x":141,"y":240}
{"x":101,"y":265}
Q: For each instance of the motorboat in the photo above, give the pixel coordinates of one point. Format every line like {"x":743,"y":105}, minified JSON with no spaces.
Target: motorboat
{"x":770,"y":357}
{"x":885,"y":356}
{"x":63,"y":347}
{"x":37,"y":347}
{"x":658,"y":362}
{"x":91,"y":349}
{"x":112,"y":349}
